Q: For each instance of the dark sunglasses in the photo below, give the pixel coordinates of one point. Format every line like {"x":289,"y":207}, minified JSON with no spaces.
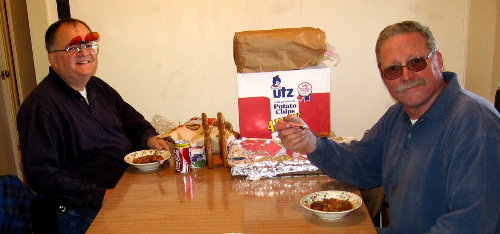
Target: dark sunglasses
{"x":415,"y":65}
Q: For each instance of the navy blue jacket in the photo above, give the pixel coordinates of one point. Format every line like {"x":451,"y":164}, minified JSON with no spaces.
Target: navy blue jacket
{"x":73,"y":151}
{"x":440,"y":175}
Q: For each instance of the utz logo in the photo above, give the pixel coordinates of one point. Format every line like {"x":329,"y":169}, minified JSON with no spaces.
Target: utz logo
{"x":278,"y":91}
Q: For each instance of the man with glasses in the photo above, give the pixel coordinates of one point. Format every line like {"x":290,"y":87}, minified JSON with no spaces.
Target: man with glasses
{"x":74,"y":130}
{"x":436,"y":151}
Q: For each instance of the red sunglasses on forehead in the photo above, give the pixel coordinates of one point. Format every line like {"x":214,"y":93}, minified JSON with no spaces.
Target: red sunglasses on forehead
{"x":91,"y":36}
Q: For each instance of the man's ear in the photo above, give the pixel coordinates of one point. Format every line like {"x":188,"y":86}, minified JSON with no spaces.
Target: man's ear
{"x":52,"y":59}
{"x":440,"y":60}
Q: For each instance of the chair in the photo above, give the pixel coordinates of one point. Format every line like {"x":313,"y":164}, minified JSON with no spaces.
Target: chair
{"x":377,"y":206}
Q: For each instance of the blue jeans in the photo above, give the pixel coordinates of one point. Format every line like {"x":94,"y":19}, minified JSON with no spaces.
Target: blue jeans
{"x":75,"y":221}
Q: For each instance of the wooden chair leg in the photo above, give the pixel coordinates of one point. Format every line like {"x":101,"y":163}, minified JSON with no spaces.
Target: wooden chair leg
{"x":385,"y":212}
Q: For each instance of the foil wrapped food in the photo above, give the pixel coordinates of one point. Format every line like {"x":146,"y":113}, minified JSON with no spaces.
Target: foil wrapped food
{"x":258,"y":158}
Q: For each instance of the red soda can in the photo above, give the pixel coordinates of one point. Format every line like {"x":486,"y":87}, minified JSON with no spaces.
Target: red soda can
{"x":182,"y":160}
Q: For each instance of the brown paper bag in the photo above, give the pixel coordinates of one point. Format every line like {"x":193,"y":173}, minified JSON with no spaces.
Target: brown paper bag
{"x":278,"y":49}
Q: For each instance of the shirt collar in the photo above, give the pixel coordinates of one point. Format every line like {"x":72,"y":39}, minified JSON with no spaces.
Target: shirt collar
{"x":443,"y":103}
{"x":92,"y":86}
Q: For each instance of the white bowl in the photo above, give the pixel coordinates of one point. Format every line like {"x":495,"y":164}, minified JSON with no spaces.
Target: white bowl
{"x":354,"y":199}
{"x":146,"y":166}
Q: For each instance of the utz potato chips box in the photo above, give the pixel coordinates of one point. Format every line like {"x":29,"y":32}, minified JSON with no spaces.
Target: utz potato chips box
{"x":266,"y":97}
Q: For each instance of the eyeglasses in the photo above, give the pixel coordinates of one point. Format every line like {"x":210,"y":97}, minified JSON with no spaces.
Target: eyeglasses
{"x":77,"y":44}
{"x":415,"y":65}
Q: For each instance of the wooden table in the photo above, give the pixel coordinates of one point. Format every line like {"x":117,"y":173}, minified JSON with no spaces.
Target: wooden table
{"x":212,"y":201}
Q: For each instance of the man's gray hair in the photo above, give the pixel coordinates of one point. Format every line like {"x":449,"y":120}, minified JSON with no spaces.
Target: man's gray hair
{"x":403,"y":28}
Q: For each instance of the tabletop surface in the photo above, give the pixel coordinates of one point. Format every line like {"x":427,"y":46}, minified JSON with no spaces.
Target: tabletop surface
{"x":212,"y":201}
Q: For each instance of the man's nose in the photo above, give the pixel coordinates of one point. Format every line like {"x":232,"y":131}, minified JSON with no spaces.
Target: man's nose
{"x":406,"y":74}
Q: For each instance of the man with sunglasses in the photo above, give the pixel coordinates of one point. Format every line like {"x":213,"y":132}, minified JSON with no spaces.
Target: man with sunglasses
{"x":74,"y":131}
{"x":435,"y":152}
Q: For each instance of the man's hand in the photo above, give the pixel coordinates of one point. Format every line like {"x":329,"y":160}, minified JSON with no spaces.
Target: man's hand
{"x":156,"y":143}
{"x":296,"y":138}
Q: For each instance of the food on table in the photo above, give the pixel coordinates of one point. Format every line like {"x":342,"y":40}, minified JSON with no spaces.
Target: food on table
{"x":331,"y":205}
{"x":258,"y":158}
{"x":147,"y":159}
{"x":193,"y":132}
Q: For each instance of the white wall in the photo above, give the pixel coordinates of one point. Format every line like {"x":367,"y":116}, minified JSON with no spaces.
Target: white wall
{"x":174,"y":58}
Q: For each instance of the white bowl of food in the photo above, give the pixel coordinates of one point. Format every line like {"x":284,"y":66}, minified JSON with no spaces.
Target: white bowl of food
{"x":332,"y":204}
{"x":147,"y":160}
